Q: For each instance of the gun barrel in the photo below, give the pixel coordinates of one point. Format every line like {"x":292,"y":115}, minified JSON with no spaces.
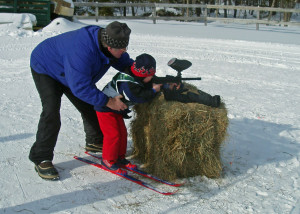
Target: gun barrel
{"x":167,"y":79}
{"x":195,"y":78}
{"x":171,"y":79}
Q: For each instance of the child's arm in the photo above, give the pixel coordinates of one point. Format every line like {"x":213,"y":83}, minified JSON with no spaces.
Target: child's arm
{"x":137,"y":93}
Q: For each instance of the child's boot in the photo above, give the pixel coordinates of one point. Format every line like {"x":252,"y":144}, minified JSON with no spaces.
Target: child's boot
{"x":113,"y":166}
{"x":126,"y":163}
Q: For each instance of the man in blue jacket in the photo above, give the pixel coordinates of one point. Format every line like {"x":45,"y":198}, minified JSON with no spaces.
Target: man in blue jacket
{"x":71,"y":64}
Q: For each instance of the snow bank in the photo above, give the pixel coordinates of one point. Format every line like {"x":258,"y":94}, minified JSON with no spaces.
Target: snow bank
{"x":17,"y":20}
{"x":62,"y":25}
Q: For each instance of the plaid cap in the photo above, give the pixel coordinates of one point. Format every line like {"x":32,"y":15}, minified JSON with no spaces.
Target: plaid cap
{"x":116,"y":35}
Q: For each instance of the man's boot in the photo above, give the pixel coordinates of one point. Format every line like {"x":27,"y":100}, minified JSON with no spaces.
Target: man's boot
{"x":94,"y":144}
{"x":46,"y":170}
{"x":215,"y":100}
{"x":204,"y":98}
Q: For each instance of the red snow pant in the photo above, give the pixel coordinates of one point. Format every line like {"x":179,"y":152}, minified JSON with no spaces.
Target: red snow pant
{"x":114,"y":135}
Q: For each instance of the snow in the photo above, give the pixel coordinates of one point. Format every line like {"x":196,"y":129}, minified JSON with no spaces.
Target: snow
{"x":17,"y":20}
{"x":257,"y":74}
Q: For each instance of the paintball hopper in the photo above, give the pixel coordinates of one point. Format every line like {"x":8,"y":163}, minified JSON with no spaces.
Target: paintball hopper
{"x":179,"y":64}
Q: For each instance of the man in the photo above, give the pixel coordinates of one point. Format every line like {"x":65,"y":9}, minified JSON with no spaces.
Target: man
{"x":71,"y":64}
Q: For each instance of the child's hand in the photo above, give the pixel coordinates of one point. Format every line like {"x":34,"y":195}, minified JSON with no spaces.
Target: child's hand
{"x":157,"y":87}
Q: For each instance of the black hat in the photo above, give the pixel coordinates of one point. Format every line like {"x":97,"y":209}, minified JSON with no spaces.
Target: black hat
{"x":144,"y":66}
{"x":116,"y":35}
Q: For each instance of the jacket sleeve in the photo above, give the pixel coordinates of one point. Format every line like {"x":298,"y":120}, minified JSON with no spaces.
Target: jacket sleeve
{"x":80,"y":80}
{"x":136,"y":93}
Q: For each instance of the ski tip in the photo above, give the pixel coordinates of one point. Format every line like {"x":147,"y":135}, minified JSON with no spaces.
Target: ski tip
{"x":170,"y":193}
{"x":179,"y":184}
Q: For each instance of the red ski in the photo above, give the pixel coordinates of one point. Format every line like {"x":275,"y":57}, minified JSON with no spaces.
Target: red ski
{"x":128,"y":177}
{"x":142,"y":173}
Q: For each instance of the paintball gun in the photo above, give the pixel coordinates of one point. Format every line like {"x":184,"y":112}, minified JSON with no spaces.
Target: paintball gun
{"x":175,"y":94}
{"x":178,"y":65}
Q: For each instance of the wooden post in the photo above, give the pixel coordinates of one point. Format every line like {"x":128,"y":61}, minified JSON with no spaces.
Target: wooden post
{"x":205,"y":16}
{"x":187,"y":11}
{"x":258,"y":14}
{"x":97,"y":13}
{"x":15,"y":6}
{"x":154,"y":14}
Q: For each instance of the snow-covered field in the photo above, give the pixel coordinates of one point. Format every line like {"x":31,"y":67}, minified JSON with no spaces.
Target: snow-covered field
{"x":257,"y":73}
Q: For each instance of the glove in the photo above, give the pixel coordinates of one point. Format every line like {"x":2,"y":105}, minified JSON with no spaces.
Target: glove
{"x":125,"y":114}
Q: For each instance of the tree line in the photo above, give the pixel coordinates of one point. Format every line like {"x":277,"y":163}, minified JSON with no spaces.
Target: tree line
{"x":109,"y":11}
{"x":261,"y":3}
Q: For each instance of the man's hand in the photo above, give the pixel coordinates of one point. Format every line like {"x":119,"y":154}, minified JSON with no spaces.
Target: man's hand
{"x":157,"y":87}
{"x":174,"y":85}
{"x":116,"y":103}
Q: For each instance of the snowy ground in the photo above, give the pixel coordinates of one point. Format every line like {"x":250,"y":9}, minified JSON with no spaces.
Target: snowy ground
{"x":257,"y":73}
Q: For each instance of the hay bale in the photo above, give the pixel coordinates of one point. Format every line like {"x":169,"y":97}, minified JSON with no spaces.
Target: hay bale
{"x":176,"y":140}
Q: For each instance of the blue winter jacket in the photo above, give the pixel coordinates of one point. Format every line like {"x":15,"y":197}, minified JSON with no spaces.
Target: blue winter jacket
{"x":75,"y":60}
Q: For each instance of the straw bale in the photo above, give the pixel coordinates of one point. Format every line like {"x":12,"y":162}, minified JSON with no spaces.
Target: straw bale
{"x":177,"y":140}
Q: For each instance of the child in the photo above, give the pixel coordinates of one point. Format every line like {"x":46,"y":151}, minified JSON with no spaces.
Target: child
{"x":135,"y":85}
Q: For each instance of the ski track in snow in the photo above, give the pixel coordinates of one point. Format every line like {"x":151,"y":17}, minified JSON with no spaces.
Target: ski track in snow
{"x":259,"y":82}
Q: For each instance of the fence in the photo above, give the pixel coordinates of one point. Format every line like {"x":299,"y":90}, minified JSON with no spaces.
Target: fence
{"x":205,"y":18}
{"x":40,"y":8}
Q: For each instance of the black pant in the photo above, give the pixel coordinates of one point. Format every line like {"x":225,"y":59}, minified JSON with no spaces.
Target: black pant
{"x":50,"y":92}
